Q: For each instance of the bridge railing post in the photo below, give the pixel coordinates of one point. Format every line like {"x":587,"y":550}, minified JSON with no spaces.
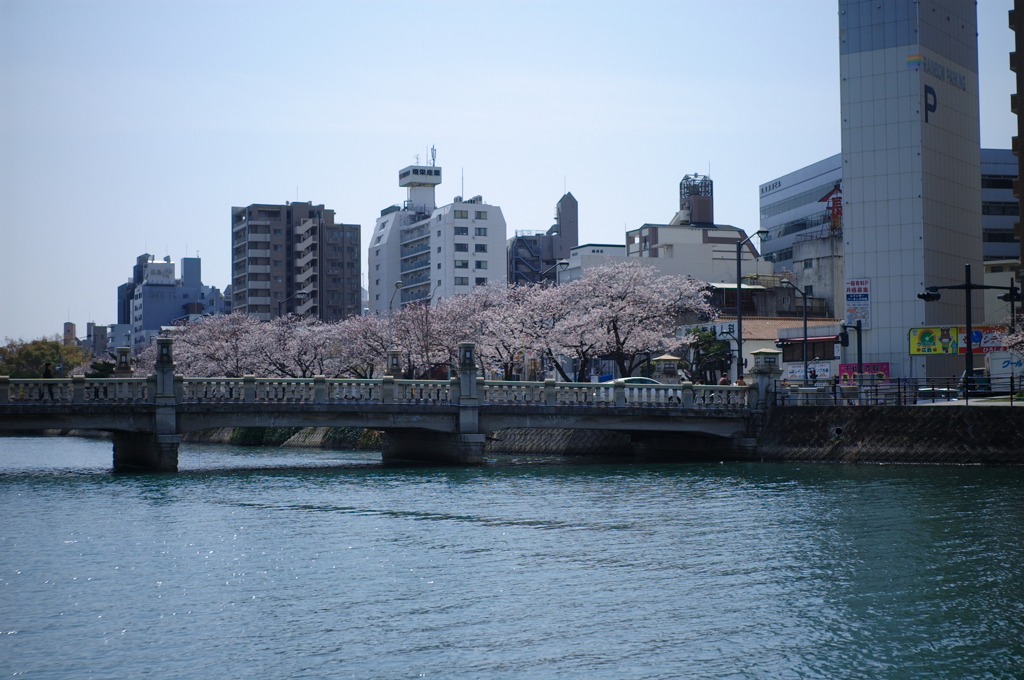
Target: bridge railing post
{"x":151,"y":389}
{"x":78,"y":389}
{"x":179,"y":388}
{"x":248,"y":388}
{"x":619,"y":391}
{"x":319,"y":389}
{"x":549,"y":392}
{"x":454,"y":391}
{"x":5,"y":390}
{"x":686,"y":394}
{"x":387,"y":389}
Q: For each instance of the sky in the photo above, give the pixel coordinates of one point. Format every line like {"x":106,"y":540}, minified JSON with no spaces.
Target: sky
{"x":134,"y":126}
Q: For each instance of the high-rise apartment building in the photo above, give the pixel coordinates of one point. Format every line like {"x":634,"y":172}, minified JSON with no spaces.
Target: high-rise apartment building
{"x":533,"y":256}
{"x":420,"y":251}
{"x":293,"y":258}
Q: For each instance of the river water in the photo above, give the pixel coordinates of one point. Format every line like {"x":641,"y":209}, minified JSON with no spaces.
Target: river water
{"x":255,"y":563}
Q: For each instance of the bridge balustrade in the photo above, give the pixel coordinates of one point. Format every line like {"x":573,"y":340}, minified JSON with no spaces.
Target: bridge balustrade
{"x":319,"y":390}
{"x":422,"y":392}
{"x":79,"y":390}
{"x":364,"y":391}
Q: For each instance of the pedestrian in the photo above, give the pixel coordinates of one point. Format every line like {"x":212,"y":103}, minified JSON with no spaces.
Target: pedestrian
{"x":741,"y":381}
{"x":724,"y":380}
{"x":47,"y":375}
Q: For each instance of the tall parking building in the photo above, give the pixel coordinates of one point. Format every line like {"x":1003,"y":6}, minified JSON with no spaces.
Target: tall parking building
{"x":293,"y":258}
{"x":422,"y":252}
{"x":911,"y":166}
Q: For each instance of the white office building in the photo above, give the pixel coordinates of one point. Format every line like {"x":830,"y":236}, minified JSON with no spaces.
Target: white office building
{"x":433,"y":251}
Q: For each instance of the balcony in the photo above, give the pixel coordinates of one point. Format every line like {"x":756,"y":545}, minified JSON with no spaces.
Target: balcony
{"x":253,"y":285}
{"x":416,"y":280}
{"x":259,"y":269}
{"x":259,"y":253}
{"x":415,"y":234}
{"x":258,"y":238}
{"x":416,"y":264}
{"x":415,"y":250}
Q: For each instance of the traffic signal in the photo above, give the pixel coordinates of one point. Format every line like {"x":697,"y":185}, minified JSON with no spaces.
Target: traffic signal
{"x":779,"y":344}
{"x":844,"y":339}
{"x":728,"y":358}
{"x":1012,"y":296}
{"x":929,"y":297}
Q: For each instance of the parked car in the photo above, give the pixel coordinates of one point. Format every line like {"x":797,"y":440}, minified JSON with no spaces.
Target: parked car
{"x":634,"y":380}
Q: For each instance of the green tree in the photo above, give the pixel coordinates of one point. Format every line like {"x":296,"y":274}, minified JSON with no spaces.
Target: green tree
{"x":707,"y":354}
{"x":21,"y":359}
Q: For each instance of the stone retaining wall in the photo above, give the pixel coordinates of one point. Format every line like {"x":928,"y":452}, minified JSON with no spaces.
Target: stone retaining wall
{"x":893,"y":434}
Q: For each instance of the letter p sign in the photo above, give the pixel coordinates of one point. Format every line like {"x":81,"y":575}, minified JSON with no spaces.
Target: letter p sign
{"x":930,"y":101}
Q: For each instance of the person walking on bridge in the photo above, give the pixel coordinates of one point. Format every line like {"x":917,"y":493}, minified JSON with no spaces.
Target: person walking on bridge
{"x":47,"y":375}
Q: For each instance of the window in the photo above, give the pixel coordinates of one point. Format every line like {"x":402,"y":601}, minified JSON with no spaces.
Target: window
{"x":461,"y":280}
{"x":997,"y":181}
{"x":481,"y":264}
{"x":438,"y":265}
{"x":462,"y":231}
{"x":377,"y":283}
{"x":809,"y":291}
{"x":481,"y":231}
{"x":462,"y":214}
{"x":277,"y":247}
{"x":439,"y":283}
{"x":480,"y":281}
{"x":439,"y":249}
{"x":278,"y":263}
{"x":375,"y":268}
{"x":480,"y":248}
{"x":439,"y":231}
{"x":462,"y":247}
{"x":277,"y":232}
{"x":462,"y":264}
{"x":378,"y":239}
{"x":277,"y":279}
{"x":480,"y":214}
{"x":808,"y":263}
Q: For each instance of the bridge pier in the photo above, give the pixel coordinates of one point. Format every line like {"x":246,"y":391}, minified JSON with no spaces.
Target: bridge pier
{"x":669,"y":447}
{"x":142,"y":451}
{"x":433,"y":447}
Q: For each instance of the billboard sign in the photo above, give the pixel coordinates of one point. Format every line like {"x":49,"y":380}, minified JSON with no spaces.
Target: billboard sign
{"x":984,"y":339}
{"x":935,"y":341}
{"x":874,"y":369}
{"x":948,"y":340}
{"x":858,"y":303}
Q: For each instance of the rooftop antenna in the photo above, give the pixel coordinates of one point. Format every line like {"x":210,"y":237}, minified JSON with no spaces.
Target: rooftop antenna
{"x":417,"y":157}
{"x":433,"y":155}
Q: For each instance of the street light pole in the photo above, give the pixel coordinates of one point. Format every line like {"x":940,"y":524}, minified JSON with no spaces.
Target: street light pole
{"x":968,"y":287}
{"x":398,"y":287}
{"x":761,"y":233}
{"x":280,"y":303}
{"x":803,"y":295}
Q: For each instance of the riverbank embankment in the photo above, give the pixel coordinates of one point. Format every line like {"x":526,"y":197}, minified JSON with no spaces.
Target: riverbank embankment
{"x":892,"y":434}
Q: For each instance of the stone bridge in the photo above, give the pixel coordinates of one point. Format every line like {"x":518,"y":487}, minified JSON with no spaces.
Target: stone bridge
{"x":439,"y":421}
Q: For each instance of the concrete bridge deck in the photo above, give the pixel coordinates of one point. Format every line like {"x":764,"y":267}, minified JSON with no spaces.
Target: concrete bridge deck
{"x":422,"y":420}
